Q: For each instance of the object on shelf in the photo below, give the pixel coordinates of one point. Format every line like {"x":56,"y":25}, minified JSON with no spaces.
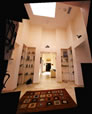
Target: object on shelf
{"x":33,"y":58}
{"x":66,"y":59}
{"x":73,"y":72}
{"x":23,"y":50}
{"x":32,"y":73}
{"x":21,"y":57}
{"x":29,"y":65}
{"x":20,"y":74}
{"x":61,"y":60}
{"x":26,"y":73}
{"x":28,"y":58}
{"x":29,"y":52}
{"x":70,"y":51}
{"x":65,"y":72}
{"x":21,"y":65}
{"x":65,"y":65}
{"x":33,"y":52}
{"x":65,"y":54}
{"x":26,"y":65}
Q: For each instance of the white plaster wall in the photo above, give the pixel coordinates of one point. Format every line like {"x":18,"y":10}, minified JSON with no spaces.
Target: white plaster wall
{"x":82,"y":55}
{"x":61,"y":42}
{"x":69,"y":35}
{"x":34,"y":36}
{"x":80,"y":47}
{"x":78,"y":27}
{"x":48,"y":38}
{"x":81,"y":52}
{"x":34,"y":40}
{"x":58,"y":66}
{"x":36,"y":78}
{"x":85,"y":12}
{"x":61,"y":39}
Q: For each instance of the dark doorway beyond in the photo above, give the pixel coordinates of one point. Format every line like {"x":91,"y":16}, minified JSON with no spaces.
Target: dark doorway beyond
{"x":48,"y":66}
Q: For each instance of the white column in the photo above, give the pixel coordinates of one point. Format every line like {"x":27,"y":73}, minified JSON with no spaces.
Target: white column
{"x":36,"y":77}
{"x":58,"y":66}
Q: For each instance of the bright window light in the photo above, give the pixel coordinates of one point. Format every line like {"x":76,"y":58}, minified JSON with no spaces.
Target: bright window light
{"x":44,"y":9}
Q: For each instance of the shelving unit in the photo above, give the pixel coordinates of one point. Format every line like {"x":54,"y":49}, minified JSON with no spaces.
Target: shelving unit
{"x":64,"y":64}
{"x":29,"y":64}
{"x":71,"y":65}
{"x":67,"y":65}
{"x":26,"y":70}
{"x":22,"y":66}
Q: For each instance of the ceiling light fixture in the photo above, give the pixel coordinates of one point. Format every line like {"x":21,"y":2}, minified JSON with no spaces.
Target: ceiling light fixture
{"x":44,"y":9}
{"x":69,"y":10}
{"x":47,"y":46}
{"x":79,"y":36}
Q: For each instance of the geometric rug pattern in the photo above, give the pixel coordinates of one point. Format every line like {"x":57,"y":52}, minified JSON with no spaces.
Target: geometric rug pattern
{"x":45,"y":100}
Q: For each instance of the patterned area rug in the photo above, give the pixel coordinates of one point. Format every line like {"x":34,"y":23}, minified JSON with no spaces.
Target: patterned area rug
{"x":45,"y":100}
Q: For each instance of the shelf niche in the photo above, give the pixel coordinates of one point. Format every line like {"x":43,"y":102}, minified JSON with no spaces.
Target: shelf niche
{"x":67,"y":67}
{"x":26,"y":65}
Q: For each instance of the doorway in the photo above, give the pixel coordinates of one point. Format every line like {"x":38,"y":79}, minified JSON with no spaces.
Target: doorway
{"x":47,"y":66}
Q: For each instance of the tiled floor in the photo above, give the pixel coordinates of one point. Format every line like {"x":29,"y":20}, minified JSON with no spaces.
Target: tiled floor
{"x":46,"y":82}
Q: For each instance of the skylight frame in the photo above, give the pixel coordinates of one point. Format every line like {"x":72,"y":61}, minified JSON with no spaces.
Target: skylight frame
{"x":47,"y":9}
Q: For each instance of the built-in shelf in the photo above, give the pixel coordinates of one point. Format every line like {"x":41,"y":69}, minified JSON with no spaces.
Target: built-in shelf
{"x":26,"y":64}
{"x":67,"y":67}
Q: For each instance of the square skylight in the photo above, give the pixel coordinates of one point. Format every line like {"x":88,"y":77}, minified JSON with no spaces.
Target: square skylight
{"x":44,"y":9}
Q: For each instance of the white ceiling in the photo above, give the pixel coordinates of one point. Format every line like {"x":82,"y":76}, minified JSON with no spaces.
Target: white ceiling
{"x":61,"y":19}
